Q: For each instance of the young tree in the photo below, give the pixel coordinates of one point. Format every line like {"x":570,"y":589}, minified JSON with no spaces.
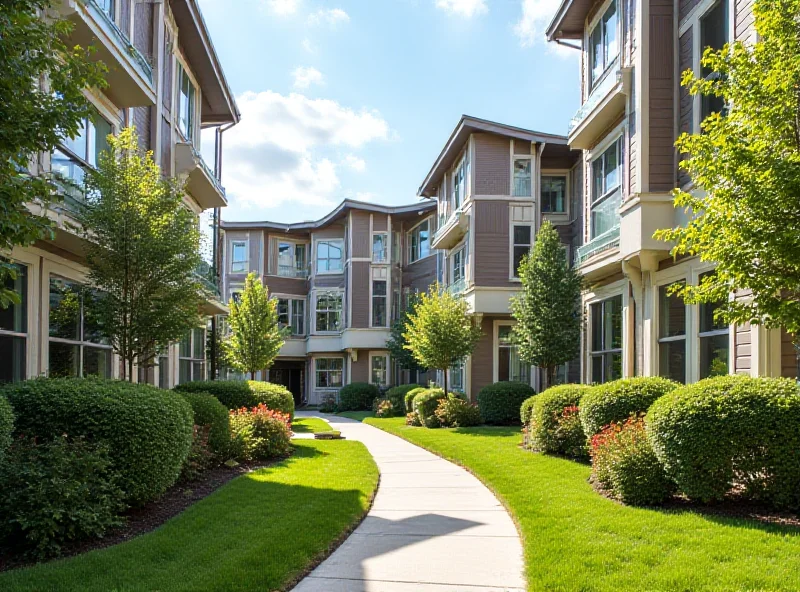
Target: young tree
{"x":745,"y":165}
{"x":440,"y":331}
{"x":42,"y":103}
{"x":143,"y":247}
{"x":397,"y":341}
{"x":547,"y":309}
{"x":255,"y":337}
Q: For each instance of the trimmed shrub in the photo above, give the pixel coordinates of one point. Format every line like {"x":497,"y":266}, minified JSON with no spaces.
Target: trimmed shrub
{"x":397,"y":395}
{"x":624,"y":463}
{"x":500,"y":402}
{"x":526,"y":409}
{"x":148,"y":431}
{"x":412,"y":419}
{"x":235,"y":394}
{"x":385,"y":409}
{"x":425,"y":404}
{"x":6,"y":425}
{"x":546,"y":430}
{"x":328,"y":404}
{"x":409,"y":398}
{"x":209,"y":412}
{"x":201,"y":457}
{"x":457,"y":413}
{"x":260,"y":433}
{"x":56,"y":492}
{"x":616,"y":401}
{"x":731,"y":431}
{"x":357,"y":396}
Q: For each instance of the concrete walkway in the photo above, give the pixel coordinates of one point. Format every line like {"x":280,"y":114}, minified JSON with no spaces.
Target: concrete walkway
{"x":432,"y":528}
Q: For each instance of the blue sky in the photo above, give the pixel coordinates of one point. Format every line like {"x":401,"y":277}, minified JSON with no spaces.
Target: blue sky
{"x":355,"y":98}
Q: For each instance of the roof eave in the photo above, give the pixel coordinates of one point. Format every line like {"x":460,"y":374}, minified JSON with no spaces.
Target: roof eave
{"x":555,"y":30}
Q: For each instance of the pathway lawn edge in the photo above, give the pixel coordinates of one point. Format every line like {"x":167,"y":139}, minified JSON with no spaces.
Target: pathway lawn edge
{"x":310,"y":425}
{"x":575,"y":539}
{"x":261,"y":531}
{"x":357,"y":415}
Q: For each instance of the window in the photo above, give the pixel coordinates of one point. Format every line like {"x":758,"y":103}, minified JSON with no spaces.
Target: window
{"x":509,"y":365}
{"x":291,"y":259}
{"x":379,"y":303}
{"x":714,"y":344}
{"x":163,"y":371}
{"x":395,"y":305}
{"x":554,"y":194}
{"x":522,"y":177}
{"x":380,"y":248}
{"x":192,"y":356}
{"x":457,"y":376}
{"x":186,"y":104}
{"x":107,"y":6}
{"x":419,"y":243}
{"x":291,"y":313}
{"x":330,"y":256}
{"x":713,"y":34}
{"x":76,"y":345}
{"x":396,"y":247}
{"x":606,"y":190}
{"x":283,"y":312}
{"x":671,"y":334}
{"x":379,"y":369}
{"x":459,"y":186}
{"x":522,"y":245}
{"x":329,"y":311}
{"x":459,"y":276}
{"x":603,"y":43}
{"x":329,"y":372}
{"x":14,"y":330}
{"x":74,"y":155}
{"x":238,"y":256}
{"x":606,"y":344}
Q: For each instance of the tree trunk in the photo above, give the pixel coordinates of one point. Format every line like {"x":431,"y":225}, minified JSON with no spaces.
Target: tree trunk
{"x":550,"y":374}
{"x":252,"y":375}
{"x":130,"y":369}
{"x":445,"y":381}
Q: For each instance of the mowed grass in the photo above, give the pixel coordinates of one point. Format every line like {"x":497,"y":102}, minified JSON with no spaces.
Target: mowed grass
{"x":357,"y":415}
{"x":576,"y":540}
{"x":258,"y":532}
{"x":309,"y":425}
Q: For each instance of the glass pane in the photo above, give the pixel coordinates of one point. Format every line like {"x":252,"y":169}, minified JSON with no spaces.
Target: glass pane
{"x":554,"y":191}
{"x":519,"y":254}
{"x":102,"y":131}
{"x":522,"y":235}
{"x":286,"y":259}
{"x":239,"y":252}
{"x":379,"y":312}
{"x":15,"y":316}
{"x":379,"y":288}
{"x":379,"y":251}
{"x":605,"y":215}
{"x":186,"y":346}
{"x":714,"y":29}
{"x":163,"y":372}
{"x":613,"y":323}
{"x":298,"y":317}
{"x":504,"y":334}
{"x":519,"y":369}
{"x":322,"y":321}
{"x":336,"y":363}
{"x":714,"y":356}
{"x":707,"y":321}
{"x":522,"y":177}
{"x":610,"y":31}
{"x":199,"y":344}
{"x":300,"y":257}
{"x":596,"y":318}
{"x":12,"y":358}
{"x":596,"y":51}
{"x":65,"y":309}
{"x":598,"y":178}
{"x":612,"y":367}
{"x":64,"y":360}
{"x":672,"y":360}
{"x":424,"y":245}
{"x":597,"y":369}
{"x":97,"y":362}
{"x":78,"y":144}
{"x":198,"y":371}
{"x":612,"y":176}
{"x":504,"y":364}
{"x":672,"y":314}
{"x":184,"y":371}
{"x":92,"y":325}
{"x":283,"y":312}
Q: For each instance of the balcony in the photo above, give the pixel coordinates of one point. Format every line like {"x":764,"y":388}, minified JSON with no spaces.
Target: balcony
{"x":201,"y":182}
{"x":457,"y":288}
{"x":598,"y":245}
{"x":604,"y":105}
{"x":451,"y":228}
{"x":209,"y":285}
{"x":290,"y":271}
{"x":129,"y":76}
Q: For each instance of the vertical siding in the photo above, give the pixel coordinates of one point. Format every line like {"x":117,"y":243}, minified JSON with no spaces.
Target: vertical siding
{"x":166,"y":147}
{"x":788,"y":356}
{"x":419,"y":275}
{"x":492,"y":165}
{"x":685,"y":48}
{"x":482,"y":359}
{"x":360,"y":233}
{"x":166,"y":72}
{"x":143,"y":29}
{"x":380,"y":222}
{"x":360,"y":294}
{"x":491,"y":250}
{"x":742,"y":349}
{"x":744,"y":25}
{"x":142,"y":118}
{"x":256,"y":249}
{"x":661,"y":102}
{"x":359,"y":369}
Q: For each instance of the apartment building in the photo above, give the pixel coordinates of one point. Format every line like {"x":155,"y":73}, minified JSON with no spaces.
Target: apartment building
{"x":340,"y":281}
{"x":164,"y":77}
{"x":494,"y":184}
{"x":633,"y":108}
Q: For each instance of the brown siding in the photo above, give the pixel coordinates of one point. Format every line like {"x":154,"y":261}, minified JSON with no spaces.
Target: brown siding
{"x":661,"y":103}
{"x":745,"y":22}
{"x":360,"y":233}
{"x":419,"y":275}
{"x":359,"y":369}
{"x":522,"y":147}
{"x":685,"y":7}
{"x":742,"y":349}
{"x":143,"y":29}
{"x":142,"y":119}
{"x":482,"y":359}
{"x":329,"y":281}
{"x":335,"y":231}
{"x":491,"y":250}
{"x":166,"y":147}
{"x":281,"y":285}
{"x":359,"y":293}
{"x":685,"y":47}
{"x":789,"y":363}
{"x":255,"y":244}
{"x":166,"y":72}
{"x":492,"y":165}
{"x":380,"y":222}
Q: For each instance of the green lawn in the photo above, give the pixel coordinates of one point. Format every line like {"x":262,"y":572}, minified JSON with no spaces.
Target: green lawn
{"x":576,"y":540}
{"x":359,"y":415}
{"x":258,"y":532}
{"x":305,"y":425}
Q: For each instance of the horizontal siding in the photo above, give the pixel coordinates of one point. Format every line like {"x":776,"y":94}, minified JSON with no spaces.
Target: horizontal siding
{"x":142,"y":122}
{"x":492,"y":165}
{"x":328,"y":281}
{"x":482,"y":360}
{"x":745,"y":22}
{"x":359,"y":368}
{"x":742,"y":349}
{"x":661,"y":101}
{"x":281,"y":285}
{"x":419,"y":275}
{"x":359,"y":229}
{"x":491,"y":252}
{"x":686,"y":101}
{"x":788,"y":356}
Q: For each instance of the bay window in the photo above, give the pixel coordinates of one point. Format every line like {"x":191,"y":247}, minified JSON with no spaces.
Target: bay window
{"x":330,"y":256}
{"x":606,"y":340}
{"x":554,"y":194}
{"x":713,"y":341}
{"x":291,"y":313}
{"x":186,"y":104}
{"x":509,"y":365}
{"x":329,"y":311}
{"x":291,"y":259}
{"x":379,"y":296}
{"x":521,"y":246}
{"x":419,"y":242}
{"x":379,"y":369}
{"x":192,"y":356}
{"x":70,"y":160}
{"x":329,"y":372}
{"x":714,"y":35}
{"x":671,"y":334}
{"x":603,"y":43}
{"x":14,"y":329}
{"x":606,"y":190}
{"x":522,"y":177}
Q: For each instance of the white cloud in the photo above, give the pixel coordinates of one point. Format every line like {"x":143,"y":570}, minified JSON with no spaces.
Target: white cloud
{"x":308,"y":46}
{"x":330,"y":16}
{"x":530,"y":29}
{"x":355,"y":163}
{"x":278,"y":153}
{"x":365,"y":196}
{"x":283,"y":7}
{"x":465,"y":8}
{"x":306,"y":76}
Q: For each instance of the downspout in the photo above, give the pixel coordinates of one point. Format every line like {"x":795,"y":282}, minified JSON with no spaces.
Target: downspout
{"x":635,"y":276}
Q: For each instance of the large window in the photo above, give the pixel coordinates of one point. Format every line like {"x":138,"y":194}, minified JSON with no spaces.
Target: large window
{"x":509,"y":365}
{"x":554,"y":194}
{"x":419,"y":242}
{"x":522,"y":177}
{"x":379,"y":296}
{"x":379,"y":369}
{"x":192,"y":356}
{"x":603,"y":43}
{"x":291,"y":313}
{"x":163,"y":371}
{"x":521,"y":246}
{"x":457,"y":376}
{"x":74,"y":155}
{"x":328,"y":372}
{"x":459,"y":276}
{"x":330,"y":256}
{"x":713,"y":342}
{"x":76,"y":345}
{"x":606,"y":190}
{"x":291,"y":259}
{"x":186,"y":104}
{"x":713,"y":34}
{"x":14,"y":329}
{"x":606,"y":351}
{"x":329,"y":311}
{"x":671,"y":335}
{"x":459,"y":185}
{"x":238,"y":256}
{"x":380,"y":247}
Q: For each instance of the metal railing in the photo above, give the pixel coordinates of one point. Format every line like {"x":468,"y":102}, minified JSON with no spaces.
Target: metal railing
{"x":291,"y":271}
{"x":208,"y":279}
{"x":201,"y":161}
{"x":599,"y":92}
{"x":121,"y":38}
{"x":457,"y":287}
{"x":605,"y":242}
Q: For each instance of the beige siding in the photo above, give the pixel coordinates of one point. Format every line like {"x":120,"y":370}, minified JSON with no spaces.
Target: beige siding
{"x":491,"y":251}
{"x":685,"y":48}
{"x":522,"y":147}
{"x":359,"y":294}
{"x":492,"y":165}
{"x":789,"y":364}
{"x":360,"y":234}
{"x":661,"y":103}
{"x":742,"y":349}
{"x":745,"y":22}
{"x":380,"y":222}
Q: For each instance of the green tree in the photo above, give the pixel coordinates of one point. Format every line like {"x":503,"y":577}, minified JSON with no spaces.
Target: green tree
{"x":42,"y":103}
{"x":440,"y":331}
{"x":745,"y":167}
{"x":547,"y":309}
{"x":255,"y":336}
{"x":143,"y":247}
{"x":396,"y":343}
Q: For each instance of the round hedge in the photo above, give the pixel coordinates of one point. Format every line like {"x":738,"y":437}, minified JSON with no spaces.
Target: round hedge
{"x":208,"y":411}
{"x":410,"y":396}
{"x":6,"y":425}
{"x":616,"y":401}
{"x":731,"y":431}
{"x":235,"y":394}
{"x":547,"y":408}
{"x":526,"y":409}
{"x":397,"y":396}
{"x":425,"y":405}
{"x":357,"y":396}
{"x":500,"y":402}
{"x":148,"y":430}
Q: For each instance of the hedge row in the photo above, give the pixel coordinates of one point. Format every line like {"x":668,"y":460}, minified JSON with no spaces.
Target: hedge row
{"x":500,"y":402}
{"x":235,"y":394}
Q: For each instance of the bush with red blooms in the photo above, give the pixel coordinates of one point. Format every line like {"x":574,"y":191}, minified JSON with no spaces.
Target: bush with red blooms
{"x":260,"y":433}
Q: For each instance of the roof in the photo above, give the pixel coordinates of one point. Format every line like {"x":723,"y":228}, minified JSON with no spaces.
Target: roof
{"x":468,"y":125}
{"x":340,"y":210}
{"x":219,"y":106}
{"x":568,"y":22}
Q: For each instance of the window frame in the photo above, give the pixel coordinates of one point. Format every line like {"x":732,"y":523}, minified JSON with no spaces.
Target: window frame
{"x":513,"y":245}
{"x":193,"y":360}
{"x":385,"y":258}
{"x":415,"y":254}
{"x":373,"y":297}
{"x":328,"y":371}
{"x":663,"y":341}
{"x":497,"y":346}
{"x":246,"y":262}
{"x":385,"y":371}
{"x":191,"y":134}
{"x":339,"y":294}
{"x":605,"y":351}
{"x":457,"y":369}
{"x":298,"y":271}
{"x":556,"y":217}
{"x":529,"y":159}
{"x":593,"y":81}
{"x":24,"y":273}
{"x":339,"y":243}
{"x":614,"y":140}
{"x":292,"y":304}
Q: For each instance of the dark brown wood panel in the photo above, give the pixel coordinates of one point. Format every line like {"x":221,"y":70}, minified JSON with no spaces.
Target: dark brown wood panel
{"x":492,"y":165}
{"x":491,"y":251}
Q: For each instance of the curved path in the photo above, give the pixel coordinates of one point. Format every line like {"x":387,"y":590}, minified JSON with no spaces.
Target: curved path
{"x":432,"y":528}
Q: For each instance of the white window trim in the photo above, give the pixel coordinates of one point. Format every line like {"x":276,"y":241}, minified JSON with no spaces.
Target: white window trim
{"x":181,"y":64}
{"x":512,"y":276}
{"x":618,"y":288}
{"x":451,"y":262}
{"x":193,"y":360}
{"x":325,"y":389}
{"x":292,"y":298}
{"x":373,"y":279}
{"x":246,"y":243}
{"x":316,"y":242}
{"x":657,"y":328}
{"x":315,"y":295}
{"x":618,"y":134}
{"x":431,"y":250}
{"x":557,"y":217}
{"x":277,"y":240}
{"x":387,"y":377}
{"x":387,"y":259}
{"x":515,"y":157}
{"x":590,"y":27}
{"x":496,"y":351}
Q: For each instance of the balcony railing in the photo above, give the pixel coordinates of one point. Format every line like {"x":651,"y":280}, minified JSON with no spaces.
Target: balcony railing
{"x":208,"y":170}
{"x":457,"y":287}
{"x":208,"y":279}
{"x":599,"y":92}
{"x":605,"y":242}
{"x":291,"y":271}
{"x":121,"y":39}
